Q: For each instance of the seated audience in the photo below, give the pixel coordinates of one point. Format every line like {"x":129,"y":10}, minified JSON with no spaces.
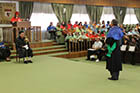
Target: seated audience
{"x":96,"y":50}
{"x":80,"y":24}
{"x":4,"y":52}
{"x":59,"y":36}
{"x":89,"y":30}
{"x":23,"y":48}
{"x":69,"y":25}
{"x":108,"y":25}
{"x":76,"y":24}
{"x":52,"y":30}
{"x":86,"y":25}
{"x":83,"y":36}
{"x":63,"y":25}
{"x":103,"y":23}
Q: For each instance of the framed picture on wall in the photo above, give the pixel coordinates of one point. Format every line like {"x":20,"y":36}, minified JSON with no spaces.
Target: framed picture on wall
{"x":7,"y":11}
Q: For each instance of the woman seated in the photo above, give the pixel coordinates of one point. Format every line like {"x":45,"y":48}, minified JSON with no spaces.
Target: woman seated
{"x":59,"y":36}
{"x":23,"y":48}
{"x":4,"y":52}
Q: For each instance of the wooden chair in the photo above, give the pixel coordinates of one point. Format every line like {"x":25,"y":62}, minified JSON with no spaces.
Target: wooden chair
{"x":17,"y":55}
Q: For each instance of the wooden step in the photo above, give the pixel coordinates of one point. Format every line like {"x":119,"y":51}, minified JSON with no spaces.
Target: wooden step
{"x":45,"y":52}
{"x":39,"y":44}
{"x":44,"y":48}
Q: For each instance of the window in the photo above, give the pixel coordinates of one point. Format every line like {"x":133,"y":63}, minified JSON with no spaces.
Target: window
{"x":42,"y":15}
{"x":130,"y":17}
{"x":80,"y":14}
{"x":43,"y":20}
{"x":107,"y":14}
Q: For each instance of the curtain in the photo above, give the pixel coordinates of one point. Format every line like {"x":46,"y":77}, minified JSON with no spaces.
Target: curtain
{"x":25,"y":9}
{"x":79,"y":14}
{"x":63,"y":12}
{"x":42,"y":8}
{"x":137,"y":12}
{"x":94,"y":12}
{"x":99,"y":13}
{"x":119,"y":13}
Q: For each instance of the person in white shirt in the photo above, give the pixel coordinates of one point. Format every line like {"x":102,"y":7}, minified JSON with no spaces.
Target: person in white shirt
{"x":95,"y":50}
{"x":133,"y":32}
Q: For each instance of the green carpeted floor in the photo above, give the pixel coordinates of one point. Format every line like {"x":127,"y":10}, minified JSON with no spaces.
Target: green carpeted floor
{"x":57,"y":75}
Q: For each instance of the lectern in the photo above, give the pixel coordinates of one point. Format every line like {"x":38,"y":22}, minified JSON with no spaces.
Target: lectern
{"x":24,"y":25}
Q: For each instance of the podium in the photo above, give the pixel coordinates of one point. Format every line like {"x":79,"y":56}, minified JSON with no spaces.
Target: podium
{"x":9,"y":32}
{"x":24,"y":25}
{"x":33,"y":33}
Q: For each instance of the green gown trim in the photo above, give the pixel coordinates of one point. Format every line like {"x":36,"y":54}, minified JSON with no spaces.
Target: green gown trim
{"x":111,"y":49}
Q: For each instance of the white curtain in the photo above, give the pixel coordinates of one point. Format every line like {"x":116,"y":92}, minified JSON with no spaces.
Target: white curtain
{"x":79,"y":14}
{"x":42,"y":8}
{"x":107,"y":14}
{"x":42,"y":15}
{"x":130,"y":17}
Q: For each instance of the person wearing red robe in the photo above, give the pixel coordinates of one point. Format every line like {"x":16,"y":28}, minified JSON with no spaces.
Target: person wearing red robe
{"x":89,"y":35}
{"x":16,"y":18}
{"x":75,"y":25}
{"x":69,"y":25}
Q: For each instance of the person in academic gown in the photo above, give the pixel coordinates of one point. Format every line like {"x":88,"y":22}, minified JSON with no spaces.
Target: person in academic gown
{"x":114,"y":64}
{"x":4,"y":52}
{"x":16,"y":18}
{"x":23,"y":48}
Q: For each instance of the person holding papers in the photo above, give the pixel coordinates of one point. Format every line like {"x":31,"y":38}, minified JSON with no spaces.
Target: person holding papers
{"x":96,"y":49}
{"x":23,"y":48}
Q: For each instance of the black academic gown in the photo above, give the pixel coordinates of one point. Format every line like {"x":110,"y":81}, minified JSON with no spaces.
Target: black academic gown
{"x":20,"y":42}
{"x":4,"y":52}
{"x":114,"y":63}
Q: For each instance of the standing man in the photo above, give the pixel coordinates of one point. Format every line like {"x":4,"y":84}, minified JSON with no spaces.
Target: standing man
{"x":114,"y":64}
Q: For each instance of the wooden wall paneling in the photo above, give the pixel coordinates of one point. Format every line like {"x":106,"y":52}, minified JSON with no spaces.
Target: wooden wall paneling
{"x":122,"y":3}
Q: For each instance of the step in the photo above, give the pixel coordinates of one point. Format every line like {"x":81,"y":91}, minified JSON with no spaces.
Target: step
{"x":45,"y":41}
{"x":46,"y":52}
{"x":50,"y":47}
{"x":56,"y":50}
{"x":39,"y":44}
{"x":44,"y":48}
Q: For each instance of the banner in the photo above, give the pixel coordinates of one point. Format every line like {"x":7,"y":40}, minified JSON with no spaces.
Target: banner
{"x":7,"y":11}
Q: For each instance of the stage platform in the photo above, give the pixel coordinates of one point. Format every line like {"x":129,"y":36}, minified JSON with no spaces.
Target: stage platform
{"x":51,"y":48}
{"x":44,"y":48}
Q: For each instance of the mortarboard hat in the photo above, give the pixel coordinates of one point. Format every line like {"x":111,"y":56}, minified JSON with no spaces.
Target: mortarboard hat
{"x":21,"y":32}
{"x":16,"y":13}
